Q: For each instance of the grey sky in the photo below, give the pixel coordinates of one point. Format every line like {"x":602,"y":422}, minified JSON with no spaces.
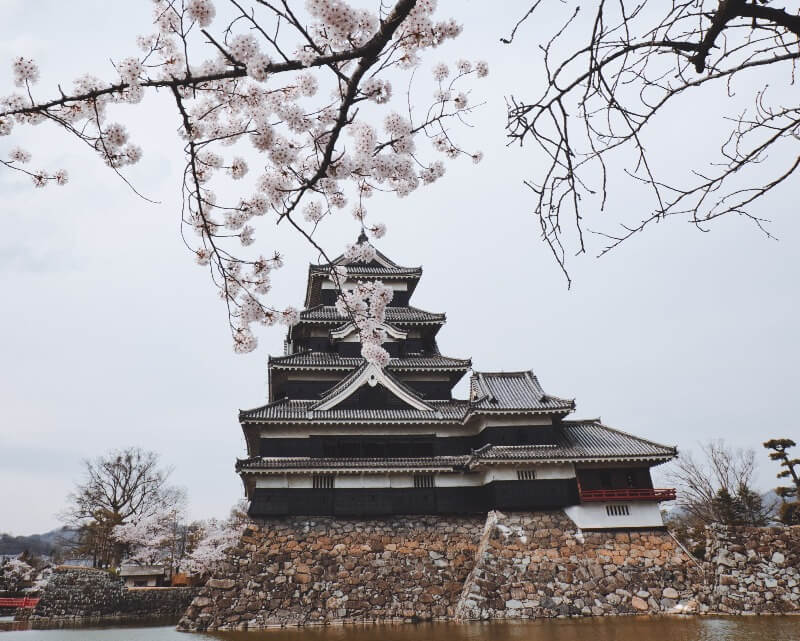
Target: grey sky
{"x":111,"y":336}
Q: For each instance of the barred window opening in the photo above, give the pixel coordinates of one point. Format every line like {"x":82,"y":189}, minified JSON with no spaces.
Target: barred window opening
{"x":323,"y":482}
{"x":423,"y":480}
{"x":617,"y":510}
{"x":526,"y":475}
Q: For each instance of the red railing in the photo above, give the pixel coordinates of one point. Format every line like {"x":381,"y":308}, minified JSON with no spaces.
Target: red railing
{"x":22,"y":602}
{"x":628,"y":494}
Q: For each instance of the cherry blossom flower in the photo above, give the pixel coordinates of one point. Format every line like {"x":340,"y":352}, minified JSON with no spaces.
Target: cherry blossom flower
{"x":313,"y":212}
{"x":203,"y":256}
{"x":39,"y":178}
{"x":290,"y":316}
{"x":378,"y":230}
{"x":243,"y":47}
{"x":258,"y":67}
{"x":463,"y":66}
{"x":25,"y":71}
{"x":201,"y":10}
{"x":19,"y":155}
{"x":441,"y":71}
{"x":238,"y":168}
{"x":129,"y":70}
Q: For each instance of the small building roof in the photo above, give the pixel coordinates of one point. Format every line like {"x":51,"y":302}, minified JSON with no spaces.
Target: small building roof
{"x":141,"y":570}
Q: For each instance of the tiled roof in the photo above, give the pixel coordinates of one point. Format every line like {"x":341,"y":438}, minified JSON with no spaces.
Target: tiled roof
{"x":141,"y":570}
{"x":291,"y":410}
{"x":516,"y":392}
{"x":381,"y":268}
{"x":582,"y":440}
{"x":328,"y":360}
{"x":369,"y":271}
{"x":576,"y":441}
{"x":512,"y":391}
{"x":303,"y":462}
{"x":396,"y":315}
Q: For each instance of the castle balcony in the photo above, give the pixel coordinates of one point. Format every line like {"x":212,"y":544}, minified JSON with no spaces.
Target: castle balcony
{"x":627,"y":494}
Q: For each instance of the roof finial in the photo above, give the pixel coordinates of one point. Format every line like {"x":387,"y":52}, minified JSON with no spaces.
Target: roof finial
{"x":362,"y":237}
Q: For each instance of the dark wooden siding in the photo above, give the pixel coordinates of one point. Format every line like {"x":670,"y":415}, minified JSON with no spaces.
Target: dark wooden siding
{"x":379,"y":446}
{"x":615,"y":478}
{"x":509,"y":495}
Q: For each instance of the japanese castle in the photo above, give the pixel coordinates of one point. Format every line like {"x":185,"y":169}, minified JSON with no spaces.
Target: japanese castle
{"x":342,"y":437}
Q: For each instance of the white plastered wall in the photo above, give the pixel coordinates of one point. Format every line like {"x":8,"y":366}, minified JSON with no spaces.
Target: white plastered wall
{"x":405,"y":479}
{"x":595,"y":516}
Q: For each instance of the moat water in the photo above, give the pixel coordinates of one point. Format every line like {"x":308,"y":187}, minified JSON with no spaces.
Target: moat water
{"x":771,"y":628}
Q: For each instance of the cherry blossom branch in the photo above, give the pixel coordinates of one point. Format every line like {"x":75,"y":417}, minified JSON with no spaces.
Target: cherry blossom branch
{"x":301,"y":146}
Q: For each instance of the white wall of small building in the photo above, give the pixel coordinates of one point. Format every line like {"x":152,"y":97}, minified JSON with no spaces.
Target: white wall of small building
{"x":148,"y":582}
{"x":600,"y":516}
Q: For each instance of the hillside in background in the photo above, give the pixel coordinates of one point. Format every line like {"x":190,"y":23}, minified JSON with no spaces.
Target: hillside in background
{"x":38,"y":544}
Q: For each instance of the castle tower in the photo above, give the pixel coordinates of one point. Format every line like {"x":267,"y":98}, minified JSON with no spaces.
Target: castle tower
{"x":340,"y":436}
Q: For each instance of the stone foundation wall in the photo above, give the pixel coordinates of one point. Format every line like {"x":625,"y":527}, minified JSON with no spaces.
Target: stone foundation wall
{"x":754,"y":570}
{"x":300,"y":571}
{"x":297,"y":571}
{"x":540,"y":565}
{"x":84,"y":595}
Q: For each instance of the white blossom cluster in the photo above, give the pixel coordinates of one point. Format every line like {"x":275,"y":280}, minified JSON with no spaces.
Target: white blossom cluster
{"x":148,"y":538}
{"x":16,"y":570}
{"x":366,"y":305}
{"x":216,"y":538}
{"x":311,"y":155}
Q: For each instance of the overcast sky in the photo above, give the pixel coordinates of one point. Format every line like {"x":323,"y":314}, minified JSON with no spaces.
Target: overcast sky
{"x":111,"y":336}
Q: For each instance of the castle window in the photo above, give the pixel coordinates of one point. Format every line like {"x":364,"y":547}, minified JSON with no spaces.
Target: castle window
{"x":526,"y":475}
{"x":618,"y":510}
{"x":323,"y":482}
{"x":423,"y":480}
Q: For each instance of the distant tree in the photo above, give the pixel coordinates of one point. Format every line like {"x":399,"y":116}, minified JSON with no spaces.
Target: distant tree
{"x":159,"y":538}
{"x":745,"y":507}
{"x":15,"y":575}
{"x":211,"y":540}
{"x":789,"y":512}
{"x":718,"y":488}
{"x":117,"y":488}
{"x":626,"y":83}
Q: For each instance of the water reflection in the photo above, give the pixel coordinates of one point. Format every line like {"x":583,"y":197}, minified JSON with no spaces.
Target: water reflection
{"x":604,"y":629}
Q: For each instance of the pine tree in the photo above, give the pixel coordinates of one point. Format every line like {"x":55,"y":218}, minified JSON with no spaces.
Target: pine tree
{"x":790,"y":509}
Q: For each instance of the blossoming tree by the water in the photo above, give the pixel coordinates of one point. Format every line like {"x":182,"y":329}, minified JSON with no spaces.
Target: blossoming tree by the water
{"x":306,"y":96}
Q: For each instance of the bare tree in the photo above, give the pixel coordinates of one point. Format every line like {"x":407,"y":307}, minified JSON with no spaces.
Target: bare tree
{"x":118,"y":487}
{"x":612,"y":80}
{"x":718,"y":487}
